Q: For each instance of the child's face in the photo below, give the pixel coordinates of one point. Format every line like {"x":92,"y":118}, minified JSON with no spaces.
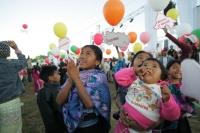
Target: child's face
{"x":87,"y":59}
{"x":152,"y":72}
{"x":140,"y":59}
{"x":56,"y":77}
{"x":175,"y":71}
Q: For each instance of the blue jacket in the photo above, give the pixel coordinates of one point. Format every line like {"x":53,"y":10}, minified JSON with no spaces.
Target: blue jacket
{"x":11,"y":85}
{"x":119,"y":65}
{"x":169,"y":58}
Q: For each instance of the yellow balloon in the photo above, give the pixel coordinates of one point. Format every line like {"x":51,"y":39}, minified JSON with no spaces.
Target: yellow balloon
{"x":61,"y":53}
{"x":60,"y":30}
{"x":137,"y":47}
{"x":173,"y":13}
{"x":51,"y":46}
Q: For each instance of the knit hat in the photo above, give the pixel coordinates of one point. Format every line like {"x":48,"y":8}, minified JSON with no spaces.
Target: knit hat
{"x":4,"y":49}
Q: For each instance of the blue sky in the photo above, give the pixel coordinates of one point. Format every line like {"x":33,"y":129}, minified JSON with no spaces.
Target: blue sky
{"x":80,"y":17}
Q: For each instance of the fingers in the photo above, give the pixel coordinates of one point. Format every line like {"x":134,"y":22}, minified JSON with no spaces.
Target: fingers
{"x":124,"y":122}
{"x":124,"y":117}
{"x":78,"y":68}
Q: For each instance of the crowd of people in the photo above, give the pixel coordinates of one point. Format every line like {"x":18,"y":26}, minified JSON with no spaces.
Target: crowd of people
{"x":76,"y":98}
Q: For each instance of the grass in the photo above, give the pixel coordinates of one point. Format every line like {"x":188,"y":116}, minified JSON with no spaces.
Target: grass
{"x":32,"y":121}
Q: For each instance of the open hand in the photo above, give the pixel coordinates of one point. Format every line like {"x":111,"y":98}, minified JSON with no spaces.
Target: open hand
{"x":165,"y":91}
{"x":12,"y":44}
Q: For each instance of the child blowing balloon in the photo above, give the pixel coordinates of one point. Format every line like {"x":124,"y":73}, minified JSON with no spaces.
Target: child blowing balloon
{"x":85,"y":96}
{"x":146,"y":101}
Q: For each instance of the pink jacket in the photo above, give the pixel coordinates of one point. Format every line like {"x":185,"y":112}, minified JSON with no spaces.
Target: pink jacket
{"x":35,"y":74}
{"x":125,"y":77}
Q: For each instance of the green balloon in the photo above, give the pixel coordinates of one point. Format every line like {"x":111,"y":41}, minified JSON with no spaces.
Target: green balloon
{"x":37,"y":58}
{"x":63,"y":56}
{"x":49,"y":53}
{"x":74,"y":49}
{"x":197,"y":33}
{"x":41,"y":60}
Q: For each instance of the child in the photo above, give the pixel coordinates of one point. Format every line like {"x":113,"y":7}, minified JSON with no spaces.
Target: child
{"x":35,"y":74}
{"x":121,"y":92}
{"x":46,"y":99}
{"x":11,"y":88}
{"x":174,"y":84}
{"x":85,"y":96}
{"x":145,"y":100}
{"x":136,"y":62}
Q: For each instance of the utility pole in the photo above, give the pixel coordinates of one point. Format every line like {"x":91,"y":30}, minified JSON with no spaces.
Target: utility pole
{"x":98,"y":28}
{"x":91,"y":38}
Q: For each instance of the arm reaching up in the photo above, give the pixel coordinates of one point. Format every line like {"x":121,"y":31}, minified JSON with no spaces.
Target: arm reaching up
{"x":125,"y":77}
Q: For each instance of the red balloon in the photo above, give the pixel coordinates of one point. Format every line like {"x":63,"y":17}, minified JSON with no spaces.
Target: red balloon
{"x":61,"y":59}
{"x":25,"y":26}
{"x":46,"y":60}
{"x":56,"y":56}
{"x":182,"y":38}
{"x":78,"y":51}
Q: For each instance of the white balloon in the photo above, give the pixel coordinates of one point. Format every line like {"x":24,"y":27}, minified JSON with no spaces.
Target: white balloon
{"x":56,"y":51}
{"x":183,"y":29}
{"x":158,"y":5}
{"x":102,"y":48}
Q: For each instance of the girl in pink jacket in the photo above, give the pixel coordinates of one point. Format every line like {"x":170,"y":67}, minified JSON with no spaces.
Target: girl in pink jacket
{"x":146,"y":101}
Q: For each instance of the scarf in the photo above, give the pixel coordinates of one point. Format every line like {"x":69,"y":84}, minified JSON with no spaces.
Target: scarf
{"x":96,"y":85}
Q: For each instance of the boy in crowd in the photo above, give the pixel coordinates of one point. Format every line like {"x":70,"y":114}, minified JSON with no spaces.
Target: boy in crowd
{"x":50,"y":111}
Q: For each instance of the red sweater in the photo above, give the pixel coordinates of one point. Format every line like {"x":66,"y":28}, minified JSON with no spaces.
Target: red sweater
{"x":186,"y":49}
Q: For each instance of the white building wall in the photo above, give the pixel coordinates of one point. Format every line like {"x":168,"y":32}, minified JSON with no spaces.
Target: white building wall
{"x":198,"y":17}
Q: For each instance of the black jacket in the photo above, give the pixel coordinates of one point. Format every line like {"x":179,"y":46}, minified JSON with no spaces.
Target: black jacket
{"x":50,"y":111}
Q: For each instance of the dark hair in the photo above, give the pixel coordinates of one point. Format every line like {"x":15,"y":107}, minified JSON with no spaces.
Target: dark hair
{"x":98,"y":53}
{"x":164,"y":75}
{"x":139,"y":52}
{"x":170,"y":63}
{"x":46,"y":72}
{"x":36,"y":68}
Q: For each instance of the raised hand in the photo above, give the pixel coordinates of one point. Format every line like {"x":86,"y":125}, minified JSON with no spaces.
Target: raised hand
{"x":72,"y":70}
{"x":165,"y":30}
{"x":140,"y":72}
{"x":165,"y":91}
{"x":12,"y":44}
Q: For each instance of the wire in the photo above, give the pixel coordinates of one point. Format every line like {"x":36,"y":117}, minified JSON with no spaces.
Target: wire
{"x":93,"y":16}
{"x":93,"y":23}
{"x":84,"y":20}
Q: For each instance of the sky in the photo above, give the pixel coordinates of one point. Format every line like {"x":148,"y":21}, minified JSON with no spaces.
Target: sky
{"x":79,"y":16}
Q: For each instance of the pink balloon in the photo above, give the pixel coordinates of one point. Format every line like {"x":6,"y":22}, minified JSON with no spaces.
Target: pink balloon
{"x":182,"y":38}
{"x":46,"y":60}
{"x":78,"y":51}
{"x":124,"y":48}
{"x":145,"y":37}
{"x":98,"y":39}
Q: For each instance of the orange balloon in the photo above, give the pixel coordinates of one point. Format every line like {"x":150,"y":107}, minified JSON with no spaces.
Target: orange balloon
{"x":113,"y":11}
{"x":132,"y":36}
{"x":108,"y":51}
